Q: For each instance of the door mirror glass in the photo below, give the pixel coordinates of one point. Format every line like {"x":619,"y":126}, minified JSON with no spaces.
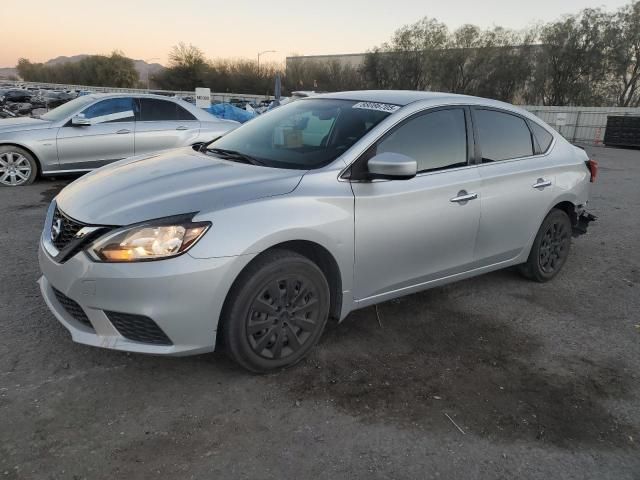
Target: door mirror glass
{"x":392,"y":166}
{"x":80,"y":120}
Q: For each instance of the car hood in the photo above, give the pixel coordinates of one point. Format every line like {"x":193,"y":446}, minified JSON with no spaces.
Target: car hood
{"x":22,"y":123}
{"x":170,"y":183}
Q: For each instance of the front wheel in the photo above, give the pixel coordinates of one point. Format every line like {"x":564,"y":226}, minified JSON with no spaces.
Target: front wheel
{"x":17,"y":167}
{"x":550,"y":248}
{"x":276,"y":311}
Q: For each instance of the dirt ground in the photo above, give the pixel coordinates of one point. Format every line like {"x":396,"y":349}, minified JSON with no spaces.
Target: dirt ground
{"x":494,"y":377}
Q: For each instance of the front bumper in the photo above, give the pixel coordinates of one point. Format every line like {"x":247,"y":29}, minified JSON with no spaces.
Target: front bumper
{"x":183,"y":296}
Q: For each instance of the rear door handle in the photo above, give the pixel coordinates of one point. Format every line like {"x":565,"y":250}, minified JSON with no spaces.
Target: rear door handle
{"x":123,"y":131}
{"x":541,"y":183}
{"x":182,"y":128}
{"x":463,"y":197}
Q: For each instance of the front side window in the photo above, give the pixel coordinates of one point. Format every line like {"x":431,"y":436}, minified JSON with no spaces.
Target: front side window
{"x":111,"y":110}
{"x":155,"y":110}
{"x":435,"y":140}
{"x":306,"y":134}
{"x":502,"y":136}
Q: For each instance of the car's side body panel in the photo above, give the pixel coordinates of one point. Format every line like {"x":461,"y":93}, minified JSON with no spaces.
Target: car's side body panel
{"x":512,"y":208}
{"x":94,"y":145}
{"x":411,"y":230}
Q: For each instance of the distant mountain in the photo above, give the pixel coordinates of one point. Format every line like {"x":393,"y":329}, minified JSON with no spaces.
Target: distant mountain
{"x":63,"y":59}
{"x":8,"y":72}
{"x":141,"y":66}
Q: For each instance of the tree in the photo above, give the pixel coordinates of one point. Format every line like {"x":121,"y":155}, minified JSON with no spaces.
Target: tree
{"x":622,"y":35}
{"x":114,"y":70}
{"x":411,"y":59}
{"x":187,"y":69}
{"x":571,"y":65}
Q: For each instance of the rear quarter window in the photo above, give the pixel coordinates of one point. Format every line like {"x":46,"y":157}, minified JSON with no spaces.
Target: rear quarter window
{"x":543,"y":137}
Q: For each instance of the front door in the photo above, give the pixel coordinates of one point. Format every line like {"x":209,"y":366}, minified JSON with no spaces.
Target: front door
{"x":410,"y":232}
{"x":110,"y":136}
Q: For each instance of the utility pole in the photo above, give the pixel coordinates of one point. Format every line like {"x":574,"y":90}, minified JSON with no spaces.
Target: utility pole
{"x":262,"y":53}
{"x":147,"y":61}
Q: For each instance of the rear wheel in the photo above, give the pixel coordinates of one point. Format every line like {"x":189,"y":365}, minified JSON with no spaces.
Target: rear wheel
{"x":17,"y":167}
{"x":276,"y":311}
{"x":550,"y":248}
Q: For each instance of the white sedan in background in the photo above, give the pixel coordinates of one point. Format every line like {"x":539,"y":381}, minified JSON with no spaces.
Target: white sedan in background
{"x":94,"y":130}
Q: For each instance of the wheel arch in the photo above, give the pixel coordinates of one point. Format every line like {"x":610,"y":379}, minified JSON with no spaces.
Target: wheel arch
{"x":569,"y":208}
{"x":26,"y":149}
{"x":319,"y":255}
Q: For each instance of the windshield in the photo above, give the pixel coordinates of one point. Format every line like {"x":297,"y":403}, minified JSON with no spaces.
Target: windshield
{"x":66,"y":109}
{"x":304,"y":135}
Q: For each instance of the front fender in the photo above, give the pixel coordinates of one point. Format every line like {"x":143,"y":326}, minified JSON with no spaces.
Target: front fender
{"x":41,"y":143}
{"x":305,"y":214}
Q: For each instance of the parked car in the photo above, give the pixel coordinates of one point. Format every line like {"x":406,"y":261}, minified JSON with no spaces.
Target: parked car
{"x":315,"y":209}
{"x":53,"y":99}
{"x":16,"y":95}
{"x":94,"y":130}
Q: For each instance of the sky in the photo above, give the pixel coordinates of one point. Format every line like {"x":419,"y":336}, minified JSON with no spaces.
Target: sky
{"x":147,"y":29}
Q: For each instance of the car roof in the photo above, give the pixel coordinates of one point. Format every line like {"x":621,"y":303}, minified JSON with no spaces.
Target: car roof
{"x":395,"y":97}
{"x":199,"y":113}
{"x":136,"y":95}
{"x":406,"y":97}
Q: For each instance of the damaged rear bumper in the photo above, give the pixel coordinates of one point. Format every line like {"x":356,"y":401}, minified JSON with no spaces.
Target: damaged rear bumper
{"x":584,"y":219}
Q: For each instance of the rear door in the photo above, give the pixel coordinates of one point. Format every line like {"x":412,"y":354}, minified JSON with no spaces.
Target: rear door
{"x":163,"y":124}
{"x":110,"y":136}
{"x":517,"y":184}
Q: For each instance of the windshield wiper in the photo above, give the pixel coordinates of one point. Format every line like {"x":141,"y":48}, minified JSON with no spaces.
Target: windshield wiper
{"x":237,"y":156}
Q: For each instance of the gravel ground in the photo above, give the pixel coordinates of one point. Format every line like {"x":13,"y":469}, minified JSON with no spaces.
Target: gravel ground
{"x":542,"y":379}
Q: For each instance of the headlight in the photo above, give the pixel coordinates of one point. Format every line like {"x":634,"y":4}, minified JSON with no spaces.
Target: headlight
{"x":148,"y":241}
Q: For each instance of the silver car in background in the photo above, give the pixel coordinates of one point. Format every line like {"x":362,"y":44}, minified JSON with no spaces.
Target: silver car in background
{"x":94,"y":130}
{"x":310,"y":211}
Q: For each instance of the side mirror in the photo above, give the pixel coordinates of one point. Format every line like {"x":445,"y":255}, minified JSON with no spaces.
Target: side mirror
{"x":80,"y":121}
{"x":392,"y":166}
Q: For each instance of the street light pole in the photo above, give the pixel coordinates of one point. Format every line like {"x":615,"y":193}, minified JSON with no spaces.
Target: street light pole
{"x":147,"y":61}
{"x":262,"y":53}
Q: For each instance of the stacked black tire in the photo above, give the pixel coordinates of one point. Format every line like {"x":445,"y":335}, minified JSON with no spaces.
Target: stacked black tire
{"x":622,"y":131}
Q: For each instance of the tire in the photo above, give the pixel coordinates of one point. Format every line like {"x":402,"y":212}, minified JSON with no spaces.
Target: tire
{"x":275,"y":312}
{"x":17,"y":167}
{"x":550,"y":248}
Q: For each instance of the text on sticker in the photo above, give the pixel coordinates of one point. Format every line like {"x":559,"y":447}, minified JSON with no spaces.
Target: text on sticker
{"x":383,"y":107}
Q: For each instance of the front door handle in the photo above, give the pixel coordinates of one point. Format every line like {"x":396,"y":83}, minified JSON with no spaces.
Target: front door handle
{"x":182,"y":128}
{"x":463,"y":197}
{"x":123,"y":131}
{"x":541,"y":183}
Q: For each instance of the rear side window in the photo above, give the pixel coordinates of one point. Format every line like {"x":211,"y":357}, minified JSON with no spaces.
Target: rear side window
{"x":543,"y":137}
{"x":435,"y":140}
{"x":111,"y":110}
{"x":502,"y":136}
{"x":154,"y":110}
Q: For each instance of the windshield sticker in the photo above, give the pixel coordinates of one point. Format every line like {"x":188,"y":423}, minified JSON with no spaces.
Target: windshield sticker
{"x":382,"y":107}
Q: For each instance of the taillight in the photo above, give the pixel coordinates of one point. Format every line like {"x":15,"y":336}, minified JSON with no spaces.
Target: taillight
{"x":592,"y":165}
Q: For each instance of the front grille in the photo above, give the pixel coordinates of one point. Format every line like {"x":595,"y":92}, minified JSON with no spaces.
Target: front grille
{"x":67,"y":229}
{"x":72,"y":308}
{"x":138,"y":328}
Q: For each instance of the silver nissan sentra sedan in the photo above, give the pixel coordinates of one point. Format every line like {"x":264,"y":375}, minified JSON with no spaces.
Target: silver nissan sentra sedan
{"x":94,"y":130}
{"x":311,"y":211}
